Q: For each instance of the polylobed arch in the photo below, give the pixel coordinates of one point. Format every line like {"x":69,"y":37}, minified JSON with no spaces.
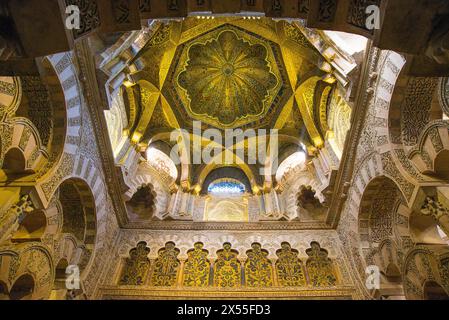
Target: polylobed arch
{"x":43,"y":104}
{"x":425,"y":273}
{"x":226,"y":172}
{"x":142,"y":204}
{"x":147,"y":175}
{"x":22,"y":153}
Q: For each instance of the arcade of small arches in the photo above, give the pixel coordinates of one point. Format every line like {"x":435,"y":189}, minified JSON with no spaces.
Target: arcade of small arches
{"x":226,"y":270}
{"x":89,"y":177}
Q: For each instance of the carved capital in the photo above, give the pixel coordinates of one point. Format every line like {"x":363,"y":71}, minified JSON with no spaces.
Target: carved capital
{"x":434,"y":209}
{"x":11,"y":219}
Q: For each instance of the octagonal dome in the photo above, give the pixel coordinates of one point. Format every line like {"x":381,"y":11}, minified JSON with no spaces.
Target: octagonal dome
{"x":227,"y":78}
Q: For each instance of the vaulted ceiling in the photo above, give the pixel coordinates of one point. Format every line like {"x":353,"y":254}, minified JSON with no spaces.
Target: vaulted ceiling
{"x":227,"y":73}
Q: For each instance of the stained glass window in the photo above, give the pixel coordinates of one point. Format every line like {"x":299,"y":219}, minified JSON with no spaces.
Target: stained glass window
{"x":226,"y":186}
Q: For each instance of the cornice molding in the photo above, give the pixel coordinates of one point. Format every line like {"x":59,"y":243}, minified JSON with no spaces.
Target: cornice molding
{"x":148,"y":292}
{"x":345,"y":173}
{"x":95,"y":108}
{"x":195,"y":225}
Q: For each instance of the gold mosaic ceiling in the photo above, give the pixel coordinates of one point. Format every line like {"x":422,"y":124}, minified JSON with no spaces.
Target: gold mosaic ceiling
{"x":226,"y":72}
{"x":227,"y":78}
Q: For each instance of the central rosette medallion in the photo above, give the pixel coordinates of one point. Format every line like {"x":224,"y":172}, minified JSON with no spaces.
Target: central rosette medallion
{"x":228,"y":80}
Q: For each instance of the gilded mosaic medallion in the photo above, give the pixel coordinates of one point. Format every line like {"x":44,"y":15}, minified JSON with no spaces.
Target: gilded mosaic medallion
{"x":227,"y":78}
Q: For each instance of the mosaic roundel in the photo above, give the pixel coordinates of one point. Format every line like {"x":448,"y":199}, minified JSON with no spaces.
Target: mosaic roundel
{"x":227,"y":77}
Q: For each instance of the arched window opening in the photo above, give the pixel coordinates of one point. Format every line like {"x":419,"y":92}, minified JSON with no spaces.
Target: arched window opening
{"x":226,"y":186}
{"x":236,"y":177}
{"x":293,"y":161}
